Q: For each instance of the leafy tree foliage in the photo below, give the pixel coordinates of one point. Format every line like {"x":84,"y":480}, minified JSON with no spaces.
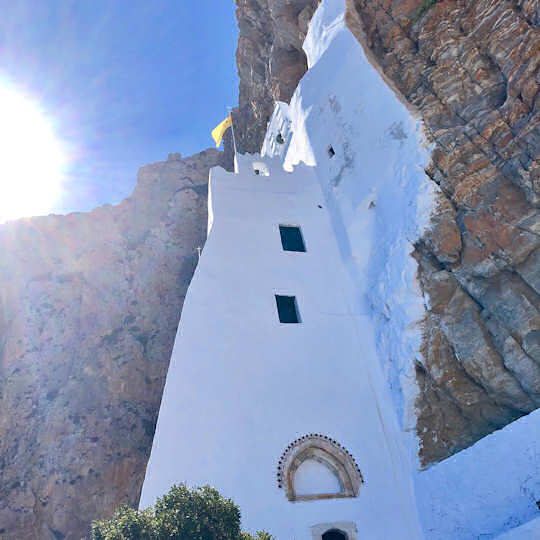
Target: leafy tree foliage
{"x":181,"y":514}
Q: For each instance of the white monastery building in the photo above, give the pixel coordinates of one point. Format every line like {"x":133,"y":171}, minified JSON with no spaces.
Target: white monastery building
{"x":291,"y":386}
{"x":270,"y":378}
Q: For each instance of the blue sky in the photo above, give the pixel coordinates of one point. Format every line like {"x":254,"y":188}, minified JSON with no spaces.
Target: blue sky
{"x":125,"y":82}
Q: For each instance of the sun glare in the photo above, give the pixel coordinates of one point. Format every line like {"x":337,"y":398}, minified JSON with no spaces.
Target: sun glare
{"x":31,"y":159}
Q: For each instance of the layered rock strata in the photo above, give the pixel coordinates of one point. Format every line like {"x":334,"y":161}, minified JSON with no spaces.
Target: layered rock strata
{"x":469,"y":70}
{"x":89,"y":307}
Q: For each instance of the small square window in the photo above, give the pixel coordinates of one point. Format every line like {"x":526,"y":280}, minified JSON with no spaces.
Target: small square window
{"x":287,"y":309}
{"x":260,"y":168}
{"x":291,"y":238}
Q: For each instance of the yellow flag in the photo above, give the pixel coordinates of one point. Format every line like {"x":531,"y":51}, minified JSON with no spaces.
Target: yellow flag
{"x":219,"y":131}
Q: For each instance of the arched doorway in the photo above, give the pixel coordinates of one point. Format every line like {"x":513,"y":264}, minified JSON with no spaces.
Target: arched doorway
{"x":337,"y":530}
{"x":335,"y":534}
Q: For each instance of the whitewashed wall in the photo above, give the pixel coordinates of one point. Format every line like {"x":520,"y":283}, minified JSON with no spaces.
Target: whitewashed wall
{"x":488,"y":488}
{"x":242,"y":386}
{"x":379,"y":201}
{"x":374,"y":186}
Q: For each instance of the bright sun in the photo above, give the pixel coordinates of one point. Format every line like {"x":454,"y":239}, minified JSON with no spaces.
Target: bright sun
{"x":31,"y":159}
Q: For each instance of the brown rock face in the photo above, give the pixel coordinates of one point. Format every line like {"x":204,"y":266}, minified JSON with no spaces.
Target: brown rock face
{"x":270,"y":62}
{"x":89,"y":307}
{"x":469,"y":70}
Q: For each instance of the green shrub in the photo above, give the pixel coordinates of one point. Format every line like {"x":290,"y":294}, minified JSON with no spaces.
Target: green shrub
{"x":183,"y":513}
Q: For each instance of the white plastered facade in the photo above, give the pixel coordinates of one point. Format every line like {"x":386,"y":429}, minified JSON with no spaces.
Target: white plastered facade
{"x":242,"y":386}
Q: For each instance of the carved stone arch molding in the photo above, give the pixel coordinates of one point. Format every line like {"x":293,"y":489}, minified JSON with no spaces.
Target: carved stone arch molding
{"x":326,"y":451}
{"x":346,"y":528}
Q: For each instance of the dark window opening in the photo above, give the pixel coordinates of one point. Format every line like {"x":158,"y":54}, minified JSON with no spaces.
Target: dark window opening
{"x":279,"y":139}
{"x":335,"y":534}
{"x":330,"y":151}
{"x":291,"y":238}
{"x":260,"y":167}
{"x":287,"y":310}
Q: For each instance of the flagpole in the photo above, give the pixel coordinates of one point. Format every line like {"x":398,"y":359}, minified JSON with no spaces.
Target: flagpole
{"x":232,"y":129}
{"x":233,"y":139}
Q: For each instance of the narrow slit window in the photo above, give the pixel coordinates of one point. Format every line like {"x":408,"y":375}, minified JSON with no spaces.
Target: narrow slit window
{"x":291,"y":238}
{"x":330,"y":151}
{"x":287,"y":309}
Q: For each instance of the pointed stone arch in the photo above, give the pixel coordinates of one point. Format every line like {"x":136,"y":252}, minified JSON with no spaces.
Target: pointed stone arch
{"x":323,"y":450}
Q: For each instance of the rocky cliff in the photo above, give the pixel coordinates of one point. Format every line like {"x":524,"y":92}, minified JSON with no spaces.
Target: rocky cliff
{"x":270,"y":62}
{"x":89,"y":307}
{"x":468,"y":70}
